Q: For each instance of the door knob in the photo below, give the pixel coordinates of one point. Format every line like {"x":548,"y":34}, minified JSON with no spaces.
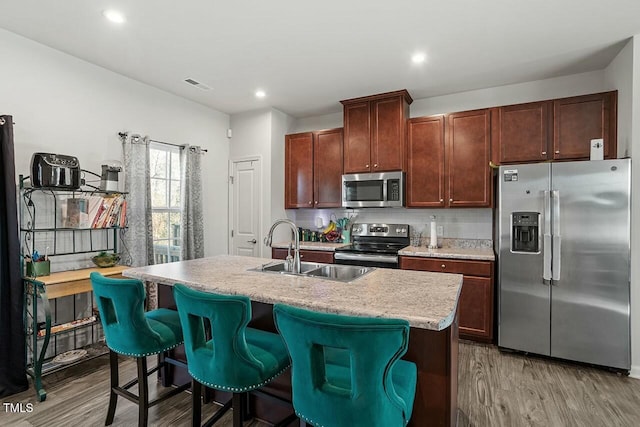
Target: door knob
{"x":254,"y":241}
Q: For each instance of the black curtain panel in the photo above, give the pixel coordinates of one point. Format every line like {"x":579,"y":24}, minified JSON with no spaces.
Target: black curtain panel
{"x":13,"y":377}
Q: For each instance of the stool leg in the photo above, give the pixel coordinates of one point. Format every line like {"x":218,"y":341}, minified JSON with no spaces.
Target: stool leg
{"x":143,"y":392}
{"x":115,"y":382}
{"x":237,"y":405}
{"x":196,"y":405}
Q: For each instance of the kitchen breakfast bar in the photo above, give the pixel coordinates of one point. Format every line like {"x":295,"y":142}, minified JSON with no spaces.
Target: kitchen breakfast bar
{"x":428,"y":301}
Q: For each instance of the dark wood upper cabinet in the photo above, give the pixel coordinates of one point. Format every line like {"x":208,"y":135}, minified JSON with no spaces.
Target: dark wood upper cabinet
{"x":521,"y":133}
{"x":580,"y":119}
{"x":448,"y":160}
{"x":298,"y":168}
{"x":374,"y":132}
{"x":467,"y":159}
{"x":425,"y":162}
{"x":559,"y":129}
{"x":357,"y":131}
{"x":327,"y":168}
{"x":313,"y":169}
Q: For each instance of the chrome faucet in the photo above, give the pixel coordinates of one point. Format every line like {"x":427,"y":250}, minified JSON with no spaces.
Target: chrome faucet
{"x":269,"y":240}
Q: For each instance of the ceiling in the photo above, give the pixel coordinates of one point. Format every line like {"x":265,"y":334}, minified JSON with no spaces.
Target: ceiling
{"x":307,"y":56}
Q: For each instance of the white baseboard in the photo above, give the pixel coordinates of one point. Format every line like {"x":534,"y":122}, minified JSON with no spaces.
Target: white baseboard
{"x":635,"y":372}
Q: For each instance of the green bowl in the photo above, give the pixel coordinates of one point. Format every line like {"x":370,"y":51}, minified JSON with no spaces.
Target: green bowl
{"x":108,"y":260}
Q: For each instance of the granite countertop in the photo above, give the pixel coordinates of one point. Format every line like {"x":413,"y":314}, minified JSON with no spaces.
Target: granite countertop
{"x":476,"y":254}
{"x":426,"y":300}
{"x":471,"y":249}
{"x":312,"y":246}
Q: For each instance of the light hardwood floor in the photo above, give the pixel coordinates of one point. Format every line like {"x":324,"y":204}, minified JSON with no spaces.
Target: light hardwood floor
{"x":495,"y":389}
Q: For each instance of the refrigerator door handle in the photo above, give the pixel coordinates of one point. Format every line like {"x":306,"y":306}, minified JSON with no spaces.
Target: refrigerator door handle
{"x":546,"y":242}
{"x":557,"y":239}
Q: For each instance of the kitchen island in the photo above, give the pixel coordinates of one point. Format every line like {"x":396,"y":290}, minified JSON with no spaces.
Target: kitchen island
{"x":428,"y":301}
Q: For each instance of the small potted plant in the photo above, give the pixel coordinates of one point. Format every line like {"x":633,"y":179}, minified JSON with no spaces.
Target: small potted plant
{"x":105,"y":259}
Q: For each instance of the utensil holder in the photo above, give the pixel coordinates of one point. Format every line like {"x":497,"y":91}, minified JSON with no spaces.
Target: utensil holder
{"x":40,"y":268}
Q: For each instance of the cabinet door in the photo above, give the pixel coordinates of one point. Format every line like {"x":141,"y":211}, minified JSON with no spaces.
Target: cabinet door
{"x":325,"y":257}
{"x":298,"y":190}
{"x":522,"y":133}
{"x":327,"y":168}
{"x":580,"y":119}
{"x":476,"y":308}
{"x":387,"y":136}
{"x":468,"y":148}
{"x":357,"y":137}
{"x":425,"y":162}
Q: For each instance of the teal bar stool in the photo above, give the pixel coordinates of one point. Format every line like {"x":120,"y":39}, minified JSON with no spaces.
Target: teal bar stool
{"x":236,"y":359}
{"x":346,"y":371}
{"x":132,"y":332}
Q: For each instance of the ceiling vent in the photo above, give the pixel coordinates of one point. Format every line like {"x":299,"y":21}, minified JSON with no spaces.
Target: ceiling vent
{"x":197,"y":84}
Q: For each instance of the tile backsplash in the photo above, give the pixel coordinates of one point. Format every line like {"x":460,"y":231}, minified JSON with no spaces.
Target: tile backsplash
{"x":456,"y":223}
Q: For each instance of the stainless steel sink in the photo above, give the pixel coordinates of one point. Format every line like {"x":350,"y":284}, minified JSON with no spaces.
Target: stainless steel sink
{"x":282,"y":267}
{"x":341,"y":273}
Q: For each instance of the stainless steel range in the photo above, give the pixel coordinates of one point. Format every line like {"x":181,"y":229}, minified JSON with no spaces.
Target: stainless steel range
{"x":374,"y":245}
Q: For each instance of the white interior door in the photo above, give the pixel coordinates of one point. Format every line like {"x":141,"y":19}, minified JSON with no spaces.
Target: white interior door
{"x":245,"y":208}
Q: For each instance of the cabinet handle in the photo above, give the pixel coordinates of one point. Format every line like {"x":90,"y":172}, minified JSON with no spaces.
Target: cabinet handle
{"x":375,"y":165}
{"x":316,"y":202}
{"x":544,"y":153}
{"x":441,"y":200}
{"x":558,"y":152}
{"x":367,"y":165}
{"x":301,"y":256}
{"x":443,"y":266}
{"x":309,"y":201}
{"x":451,"y":200}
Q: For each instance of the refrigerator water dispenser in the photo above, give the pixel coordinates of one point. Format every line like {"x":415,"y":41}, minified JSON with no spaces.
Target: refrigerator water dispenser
{"x":524,"y":232}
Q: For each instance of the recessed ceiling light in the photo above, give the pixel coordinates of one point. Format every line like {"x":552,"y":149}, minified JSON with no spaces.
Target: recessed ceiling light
{"x":260,"y":94}
{"x":114,"y":16}
{"x":418,"y":58}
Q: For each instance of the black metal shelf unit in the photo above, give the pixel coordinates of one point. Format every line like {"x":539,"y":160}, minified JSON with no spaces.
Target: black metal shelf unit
{"x":47,"y":231}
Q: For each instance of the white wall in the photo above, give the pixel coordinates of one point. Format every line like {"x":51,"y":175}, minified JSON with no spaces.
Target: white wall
{"x":327,"y":121}
{"x":64,"y":105}
{"x":457,"y":223}
{"x":558,"y":87}
{"x":635,"y":211}
{"x":261,"y":133}
{"x":619,"y":76}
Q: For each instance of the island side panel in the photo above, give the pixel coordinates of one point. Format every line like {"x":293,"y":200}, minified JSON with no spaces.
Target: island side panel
{"x":436,"y":355}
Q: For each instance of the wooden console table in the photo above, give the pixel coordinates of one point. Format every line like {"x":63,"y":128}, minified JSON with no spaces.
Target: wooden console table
{"x":46,"y":288}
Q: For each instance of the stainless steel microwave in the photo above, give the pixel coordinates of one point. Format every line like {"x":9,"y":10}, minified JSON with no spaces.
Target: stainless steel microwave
{"x":373,"y":190}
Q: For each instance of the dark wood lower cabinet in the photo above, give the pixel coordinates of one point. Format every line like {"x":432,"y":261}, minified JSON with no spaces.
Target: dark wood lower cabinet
{"x":435,"y":354}
{"x":325,"y":257}
{"x":475,"y":307}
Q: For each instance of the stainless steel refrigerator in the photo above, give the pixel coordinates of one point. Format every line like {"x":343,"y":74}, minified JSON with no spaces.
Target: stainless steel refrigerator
{"x":563,"y":244}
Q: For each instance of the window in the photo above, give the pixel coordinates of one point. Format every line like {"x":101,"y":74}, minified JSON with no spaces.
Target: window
{"x":165,"y":201}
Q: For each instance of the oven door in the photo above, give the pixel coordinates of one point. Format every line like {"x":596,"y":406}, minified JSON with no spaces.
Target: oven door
{"x":366,"y":260}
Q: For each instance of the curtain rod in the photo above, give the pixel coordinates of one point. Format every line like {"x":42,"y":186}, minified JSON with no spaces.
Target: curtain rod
{"x":136,"y":138}
{"x":174,"y":145}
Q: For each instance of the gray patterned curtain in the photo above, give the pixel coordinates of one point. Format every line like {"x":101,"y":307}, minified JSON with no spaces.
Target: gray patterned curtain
{"x":139,"y":236}
{"x":13,"y":377}
{"x":192,"y":240}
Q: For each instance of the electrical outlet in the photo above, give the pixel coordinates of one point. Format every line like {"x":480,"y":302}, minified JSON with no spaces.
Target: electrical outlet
{"x":440,"y":231}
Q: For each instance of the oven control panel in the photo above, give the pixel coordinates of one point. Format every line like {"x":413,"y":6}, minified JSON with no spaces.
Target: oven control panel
{"x":380,"y":230}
